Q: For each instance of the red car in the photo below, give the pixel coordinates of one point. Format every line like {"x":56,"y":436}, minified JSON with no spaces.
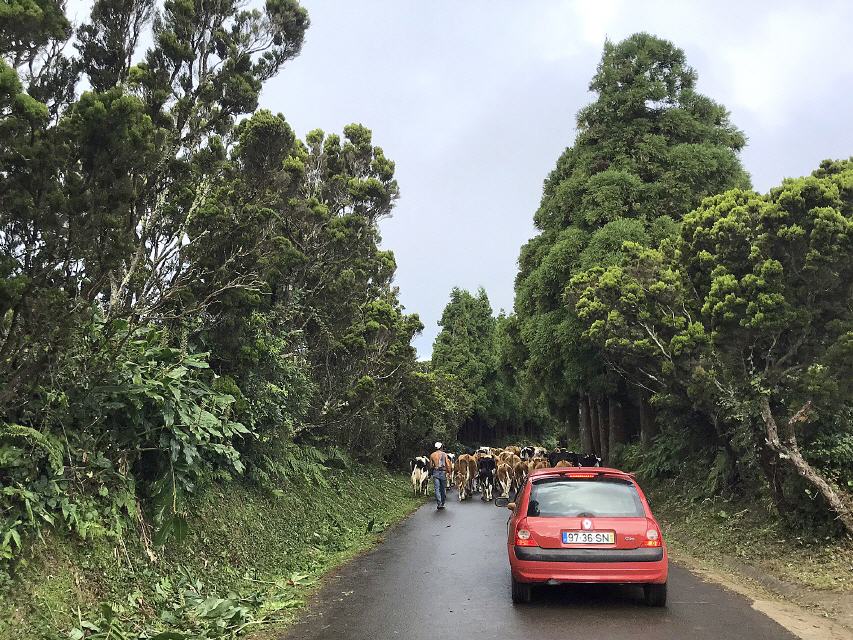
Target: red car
{"x":584,"y":524}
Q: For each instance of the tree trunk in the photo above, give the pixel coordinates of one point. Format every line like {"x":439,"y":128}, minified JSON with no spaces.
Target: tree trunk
{"x":584,"y":424}
{"x":603,"y":429}
{"x":618,"y":437}
{"x":648,"y":425}
{"x":768,"y":460}
{"x":594,"y":426}
{"x":572,"y":426}
{"x":788,"y":450}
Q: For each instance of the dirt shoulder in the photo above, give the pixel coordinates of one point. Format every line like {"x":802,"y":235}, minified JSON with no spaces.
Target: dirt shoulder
{"x":807,"y":613}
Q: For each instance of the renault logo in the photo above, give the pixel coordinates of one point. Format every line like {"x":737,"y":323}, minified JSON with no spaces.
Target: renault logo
{"x":587,"y":524}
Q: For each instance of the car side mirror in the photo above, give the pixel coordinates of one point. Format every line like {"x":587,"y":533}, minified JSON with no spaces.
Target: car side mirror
{"x":501,"y":502}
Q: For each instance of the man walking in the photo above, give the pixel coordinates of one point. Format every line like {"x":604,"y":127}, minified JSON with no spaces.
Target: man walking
{"x":440,"y":464}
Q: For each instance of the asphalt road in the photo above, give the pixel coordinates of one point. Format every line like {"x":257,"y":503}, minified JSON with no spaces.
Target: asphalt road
{"x":444,"y":574}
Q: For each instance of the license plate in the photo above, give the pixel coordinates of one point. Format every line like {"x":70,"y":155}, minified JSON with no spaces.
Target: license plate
{"x":589,"y":537}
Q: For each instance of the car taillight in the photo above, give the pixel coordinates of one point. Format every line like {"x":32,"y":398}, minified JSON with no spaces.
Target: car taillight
{"x":652,"y":538}
{"x":523,"y":537}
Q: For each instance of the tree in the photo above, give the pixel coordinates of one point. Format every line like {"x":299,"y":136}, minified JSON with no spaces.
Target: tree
{"x":477,"y":350}
{"x":747,"y":314}
{"x":647,"y":151}
{"x":464,"y":346}
{"x":132,"y":162}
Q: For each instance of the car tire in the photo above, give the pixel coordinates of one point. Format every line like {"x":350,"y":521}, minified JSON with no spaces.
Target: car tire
{"x":522,"y":592}
{"x":655,"y":594}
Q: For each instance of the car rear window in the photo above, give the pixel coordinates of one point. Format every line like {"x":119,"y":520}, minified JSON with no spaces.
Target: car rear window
{"x":561,"y":497}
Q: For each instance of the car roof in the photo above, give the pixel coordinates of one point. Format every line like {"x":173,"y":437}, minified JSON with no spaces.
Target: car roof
{"x":561,"y":471}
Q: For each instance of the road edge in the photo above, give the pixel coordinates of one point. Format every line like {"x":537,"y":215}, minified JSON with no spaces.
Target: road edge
{"x":805,"y":623}
{"x":279,"y":629}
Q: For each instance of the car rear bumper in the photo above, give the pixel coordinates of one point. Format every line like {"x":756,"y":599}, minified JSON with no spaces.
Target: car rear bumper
{"x":533,"y":564}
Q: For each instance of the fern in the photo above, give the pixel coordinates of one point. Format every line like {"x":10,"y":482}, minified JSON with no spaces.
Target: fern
{"x":50,"y":446}
{"x":299,"y":464}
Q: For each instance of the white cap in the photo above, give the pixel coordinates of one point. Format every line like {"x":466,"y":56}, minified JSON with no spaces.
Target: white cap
{"x":438,"y":445}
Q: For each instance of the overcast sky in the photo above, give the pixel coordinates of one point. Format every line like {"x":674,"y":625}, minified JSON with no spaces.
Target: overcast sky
{"x":475,"y":99}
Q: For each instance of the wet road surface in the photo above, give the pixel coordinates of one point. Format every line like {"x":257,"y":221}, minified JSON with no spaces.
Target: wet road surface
{"x":445,"y":573}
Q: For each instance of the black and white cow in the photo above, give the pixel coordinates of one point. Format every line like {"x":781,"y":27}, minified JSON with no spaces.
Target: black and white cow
{"x":590,"y":460}
{"x":527,"y":453}
{"x":420,"y":474}
{"x":561,"y":454}
{"x":486,"y":476}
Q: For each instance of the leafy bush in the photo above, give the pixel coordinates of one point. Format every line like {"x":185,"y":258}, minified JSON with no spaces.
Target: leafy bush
{"x":135,"y":418}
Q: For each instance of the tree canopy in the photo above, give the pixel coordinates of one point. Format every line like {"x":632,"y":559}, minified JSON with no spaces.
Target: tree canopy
{"x":647,"y":151}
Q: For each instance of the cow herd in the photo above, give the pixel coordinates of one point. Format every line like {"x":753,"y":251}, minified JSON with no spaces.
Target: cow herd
{"x":496,"y":472}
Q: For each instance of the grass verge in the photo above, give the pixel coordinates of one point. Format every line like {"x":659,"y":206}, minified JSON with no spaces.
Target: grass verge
{"x":746,"y":542}
{"x":250,"y":559}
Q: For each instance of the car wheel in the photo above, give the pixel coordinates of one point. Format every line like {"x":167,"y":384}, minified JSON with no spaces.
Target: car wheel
{"x":655,"y":594}
{"x":521,"y":592}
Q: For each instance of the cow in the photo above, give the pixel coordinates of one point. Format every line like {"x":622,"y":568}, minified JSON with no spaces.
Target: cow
{"x":472,"y":475}
{"x":509,"y":458}
{"x":540,"y":452}
{"x":520,"y":471}
{"x":538,"y":463}
{"x":504,"y":479}
{"x":452,"y":457}
{"x":526,"y":453}
{"x":486,"y":476}
{"x":590,"y":460}
{"x":420,"y":475}
{"x":513,"y":449}
{"x":464,"y":475}
{"x":484,"y":450}
{"x":562,"y":463}
{"x":561,"y":454}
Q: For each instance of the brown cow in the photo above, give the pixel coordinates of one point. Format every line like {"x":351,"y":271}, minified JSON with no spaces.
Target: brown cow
{"x":460,"y":475}
{"x":504,"y":479}
{"x":562,"y":464}
{"x":520,"y":470}
{"x":538,"y":463}
{"x":473,"y":470}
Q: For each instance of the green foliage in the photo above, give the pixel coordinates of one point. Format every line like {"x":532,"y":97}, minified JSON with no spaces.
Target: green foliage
{"x":242,"y":563}
{"x":648,"y":150}
{"x":656,"y":267}
{"x":465,"y":345}
{"x":187,"y":291}
{"x":476,"y":350}
{"x":748,"y":305}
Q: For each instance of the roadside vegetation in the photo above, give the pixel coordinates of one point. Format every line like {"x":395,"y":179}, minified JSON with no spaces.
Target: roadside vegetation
{"x":250,"y":559}
{"x":193,"y":303}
